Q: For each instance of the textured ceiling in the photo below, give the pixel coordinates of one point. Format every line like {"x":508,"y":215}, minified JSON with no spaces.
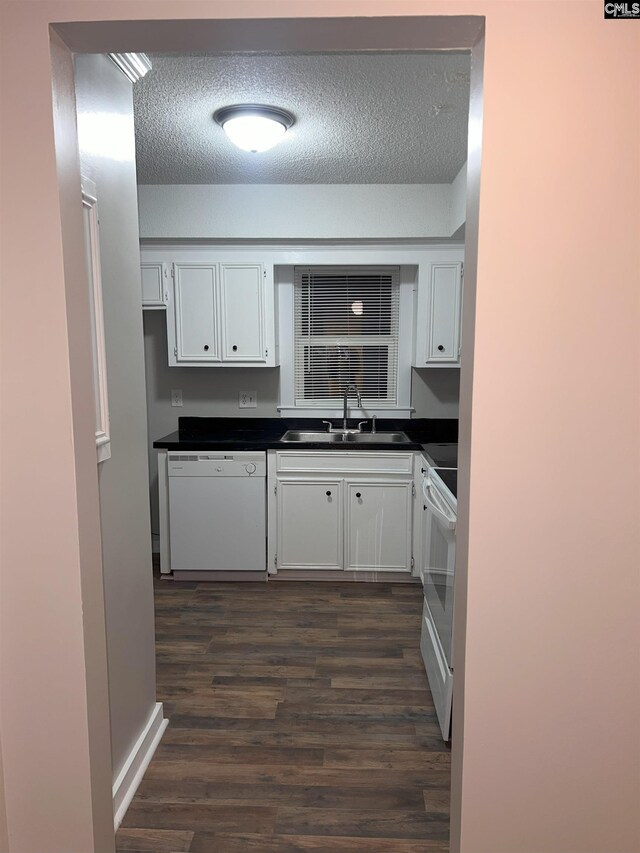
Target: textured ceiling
{"x":363,"y":118}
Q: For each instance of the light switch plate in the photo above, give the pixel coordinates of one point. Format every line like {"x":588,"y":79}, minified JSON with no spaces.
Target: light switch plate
{"x":176,"y":396}
{"x":247,"y":400}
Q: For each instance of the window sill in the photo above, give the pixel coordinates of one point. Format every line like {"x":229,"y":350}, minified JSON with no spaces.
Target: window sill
{"x":353,"y":412}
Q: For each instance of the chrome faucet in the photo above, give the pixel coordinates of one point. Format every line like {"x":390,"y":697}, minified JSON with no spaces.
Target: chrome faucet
{"x":346,"y":395}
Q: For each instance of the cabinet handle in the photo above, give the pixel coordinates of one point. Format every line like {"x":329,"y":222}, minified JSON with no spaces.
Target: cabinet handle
{"x":234,"y":348}
{"x":441,"y":348}
{"x":358,"y":495}
{"x":328,"y":494}
{"x":206,"y":347}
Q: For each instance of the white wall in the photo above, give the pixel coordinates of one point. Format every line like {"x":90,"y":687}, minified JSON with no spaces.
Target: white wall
{"x":458,"y":201}
{"x":105,"y":128}
{"x":298,"y":211}
{"x":435,"y":392}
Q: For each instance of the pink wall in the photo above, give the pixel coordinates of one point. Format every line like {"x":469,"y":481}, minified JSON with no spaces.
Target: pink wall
{"x":4,"y":832}
{"x":52,"y":655}
{"x":550,"y":757}
{"x":549,"y":667}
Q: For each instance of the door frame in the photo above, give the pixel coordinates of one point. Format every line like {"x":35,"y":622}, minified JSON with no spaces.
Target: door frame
{"x":64,"y":263}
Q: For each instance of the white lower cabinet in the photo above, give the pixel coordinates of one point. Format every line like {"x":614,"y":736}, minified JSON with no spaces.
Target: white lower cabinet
{"x":327,"y":518}
{"x":378,"y":526}
{"x":309,"y":524}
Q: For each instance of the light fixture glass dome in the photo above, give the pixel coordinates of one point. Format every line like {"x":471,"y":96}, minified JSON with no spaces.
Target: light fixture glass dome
{"x":253,"y":127}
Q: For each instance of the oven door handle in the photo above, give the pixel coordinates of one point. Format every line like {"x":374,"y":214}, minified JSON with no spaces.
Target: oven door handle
{"x":439,"y":512}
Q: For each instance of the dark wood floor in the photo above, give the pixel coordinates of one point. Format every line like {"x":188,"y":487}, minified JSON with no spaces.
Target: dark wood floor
{"x":300,"y":720}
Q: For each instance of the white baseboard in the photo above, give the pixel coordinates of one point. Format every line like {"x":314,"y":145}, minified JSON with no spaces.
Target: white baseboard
{"x":137,"y":762}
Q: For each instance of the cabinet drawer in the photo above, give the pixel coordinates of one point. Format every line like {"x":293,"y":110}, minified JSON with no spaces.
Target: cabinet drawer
{"x":321,"y":462}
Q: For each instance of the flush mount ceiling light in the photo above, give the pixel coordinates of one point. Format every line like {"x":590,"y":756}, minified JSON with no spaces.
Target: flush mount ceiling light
{"x":254,"y":127}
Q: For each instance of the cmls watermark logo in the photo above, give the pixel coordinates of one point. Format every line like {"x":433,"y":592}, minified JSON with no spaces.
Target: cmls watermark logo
{"x":622,"y":10}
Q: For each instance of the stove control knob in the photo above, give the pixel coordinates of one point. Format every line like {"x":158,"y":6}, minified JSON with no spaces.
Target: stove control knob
{"x":250,"y":468}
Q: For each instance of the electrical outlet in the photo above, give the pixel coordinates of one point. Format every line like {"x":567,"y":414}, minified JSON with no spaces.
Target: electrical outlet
{"x":247,"y":400}
{"x":176,"y":396}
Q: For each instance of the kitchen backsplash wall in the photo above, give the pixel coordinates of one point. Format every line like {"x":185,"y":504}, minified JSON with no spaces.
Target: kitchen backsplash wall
{"x":213,"y":392}
{"x":435,"y":392}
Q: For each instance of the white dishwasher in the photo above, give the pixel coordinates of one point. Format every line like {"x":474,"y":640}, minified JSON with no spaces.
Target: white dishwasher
{"x":217,"y":512}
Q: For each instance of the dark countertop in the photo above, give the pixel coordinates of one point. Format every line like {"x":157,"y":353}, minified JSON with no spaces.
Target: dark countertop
{"x":442,"y":454}
{"x":450,"y":478}
{"x":440,"y":435}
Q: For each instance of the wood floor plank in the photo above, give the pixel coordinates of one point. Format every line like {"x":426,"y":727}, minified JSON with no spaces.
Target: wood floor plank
{"x":226,"y":843}
{"x":223,"y":706}
{"x":351,"y":696}
{"x":211,"y":842}
{"x":202,"y":789}
{"x":155,"y":840}
{"x":313,"y":776}
{"x":295,"y":724}
{"x":298,"y":738}
{"x":204,"y":816}
{"x":437,"y":801}
{"x":404,"y":680}
{"x":254,"y":756}
{"x":363,"y":823}
{"x":381,"y":759}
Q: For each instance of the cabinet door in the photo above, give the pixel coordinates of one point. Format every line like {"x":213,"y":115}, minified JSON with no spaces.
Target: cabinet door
{"x":444,"y":305}
{"x":197,"y":336}
{"x":154,"y":280}
{"x":309,"y":524}
{"x":378,"y":526}
{"x":242,"y":312}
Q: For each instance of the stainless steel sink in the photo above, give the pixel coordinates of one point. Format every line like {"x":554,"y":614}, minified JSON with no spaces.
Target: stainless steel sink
{"x":302,"y":436}
{"x":376,"y":438}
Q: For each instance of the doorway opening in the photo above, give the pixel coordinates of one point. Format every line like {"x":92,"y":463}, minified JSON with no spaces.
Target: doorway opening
{"x":401,"y":36}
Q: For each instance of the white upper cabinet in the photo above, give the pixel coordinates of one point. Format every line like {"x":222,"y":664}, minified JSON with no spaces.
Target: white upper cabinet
{"x":445,"y":293}
{"x":155,"y":287}
{"x":242,"y":312}
{"x":220,"y":308}
{"x":197,"y":338}
{"x":439,"y":314}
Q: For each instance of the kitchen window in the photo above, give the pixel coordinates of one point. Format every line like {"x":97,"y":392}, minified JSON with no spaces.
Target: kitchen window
{"x":346,"y":332}
{"x":345,"y":324}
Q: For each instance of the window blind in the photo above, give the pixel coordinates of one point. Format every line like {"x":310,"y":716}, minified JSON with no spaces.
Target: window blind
{"x":346,"y":332}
